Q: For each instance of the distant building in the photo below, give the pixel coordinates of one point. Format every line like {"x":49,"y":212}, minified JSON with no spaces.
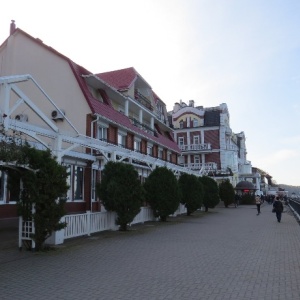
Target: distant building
{"x":207,"y":142}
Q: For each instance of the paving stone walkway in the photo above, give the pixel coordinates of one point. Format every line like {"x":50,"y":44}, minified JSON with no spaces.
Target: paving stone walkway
{"x":227,"y":253}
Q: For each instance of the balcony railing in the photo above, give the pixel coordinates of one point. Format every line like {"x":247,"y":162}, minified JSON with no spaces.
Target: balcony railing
{"x":142,"y":126}
{"x":210,"y":166}
{"x":195,"y":147}
{"x":143,"y":100}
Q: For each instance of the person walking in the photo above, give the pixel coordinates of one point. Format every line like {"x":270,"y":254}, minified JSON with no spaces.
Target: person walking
{"x":278,"y":208}
{"x":258,"y":203}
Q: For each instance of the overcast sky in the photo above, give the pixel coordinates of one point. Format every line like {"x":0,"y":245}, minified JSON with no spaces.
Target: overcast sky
{"x":245,"y":53}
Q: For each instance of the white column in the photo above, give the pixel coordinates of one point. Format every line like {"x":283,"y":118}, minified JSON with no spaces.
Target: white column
{"x":188,"y":139}
{"x":152,"y":123}
{"x":58,"y":148}
{"x":126,"y":108}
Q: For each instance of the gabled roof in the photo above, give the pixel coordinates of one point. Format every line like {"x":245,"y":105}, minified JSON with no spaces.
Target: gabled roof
{"x":122,"y":79}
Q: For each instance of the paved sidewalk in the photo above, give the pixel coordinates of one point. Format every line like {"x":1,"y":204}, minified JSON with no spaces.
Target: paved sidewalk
{"x":223,"y":254}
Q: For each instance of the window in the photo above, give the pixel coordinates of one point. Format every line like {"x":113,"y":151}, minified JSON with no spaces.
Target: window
{"x":121,"y":140}
{"x":75,"y":180}
{"x":149,"y":150}
{"x":168,"y":156}
{"x":181,"y":124}
{"x":195,"y":123}
{"x":137,"y":145}
{"x":78,"y":183}
{"x":102,"y":133}
{"x":9,"y":193}
{"x":196,"y":159}
{"x":181,"y":141}
{"x":160,"y":153}
{"x":196,"y":139}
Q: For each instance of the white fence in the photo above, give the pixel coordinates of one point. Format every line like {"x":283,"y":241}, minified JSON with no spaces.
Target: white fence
{"x":87,"y":223}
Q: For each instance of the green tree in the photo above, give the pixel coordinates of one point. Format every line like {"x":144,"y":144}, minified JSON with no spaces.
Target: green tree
{"x":211,"y":192}
{"x":191,"y":190}
{"x":121,"y":191}
{"x":44,"y":188}
{"x":226,"y":192}
{"x":162,"y":192}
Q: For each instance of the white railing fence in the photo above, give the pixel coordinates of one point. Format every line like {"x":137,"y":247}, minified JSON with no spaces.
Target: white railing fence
{"x":180,"y":210}
{"x":146,"y":214}
{"x":87,"y":223}
{"x":91,"y":222}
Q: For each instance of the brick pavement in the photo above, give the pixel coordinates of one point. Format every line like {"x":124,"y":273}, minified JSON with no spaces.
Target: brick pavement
{"x":223,"y":254}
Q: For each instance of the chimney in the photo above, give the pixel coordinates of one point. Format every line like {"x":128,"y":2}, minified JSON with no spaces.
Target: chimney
{"x":191,"y":103}
{"x":12,"y":27}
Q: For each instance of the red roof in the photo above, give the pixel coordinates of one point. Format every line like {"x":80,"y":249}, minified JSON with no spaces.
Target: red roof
{"x":119,"y":79}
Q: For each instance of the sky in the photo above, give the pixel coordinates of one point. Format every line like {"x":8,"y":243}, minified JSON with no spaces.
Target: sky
{"x":245,"y":53}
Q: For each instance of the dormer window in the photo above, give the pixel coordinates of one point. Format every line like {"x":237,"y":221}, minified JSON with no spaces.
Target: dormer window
{"x":96,"y":93}
{"x":181,"y":124}
{"x":195,"y":123}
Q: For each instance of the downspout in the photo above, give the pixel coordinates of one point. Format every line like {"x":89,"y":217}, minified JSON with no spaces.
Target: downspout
{"x":92,"y":126}
{"x":92,"y":136}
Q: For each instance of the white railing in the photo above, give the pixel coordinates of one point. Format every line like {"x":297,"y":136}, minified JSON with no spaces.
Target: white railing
{"x":146,"y":214}
{"x":87,"y":223}
{"x":180,"y":210}
{"x":198,"y":166}
{"x":26,"y":230}
{"x":195,"y":147}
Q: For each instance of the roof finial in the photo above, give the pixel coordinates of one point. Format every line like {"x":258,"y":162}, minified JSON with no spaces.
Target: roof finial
{"x":12,"y":27}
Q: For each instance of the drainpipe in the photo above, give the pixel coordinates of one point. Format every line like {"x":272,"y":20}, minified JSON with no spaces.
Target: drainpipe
{"x":92,"y":126}
{"x":92,"y":136}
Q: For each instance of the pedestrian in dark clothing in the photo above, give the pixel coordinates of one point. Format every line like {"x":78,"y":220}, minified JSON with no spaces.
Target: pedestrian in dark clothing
{"x":236,"y":200}
{"x":258,"y":203}
{"x":278,"y":207}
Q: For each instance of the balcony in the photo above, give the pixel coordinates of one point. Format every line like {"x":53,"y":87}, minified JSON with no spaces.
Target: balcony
{"x":210,"y":166}
{"x":143,"y":127}
{"x":142,"y":100}
{"x":196,"y":147}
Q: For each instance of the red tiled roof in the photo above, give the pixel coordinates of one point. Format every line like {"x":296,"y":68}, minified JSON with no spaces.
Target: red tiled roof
{"x":107,"y":111}
{"x":119,"y":79}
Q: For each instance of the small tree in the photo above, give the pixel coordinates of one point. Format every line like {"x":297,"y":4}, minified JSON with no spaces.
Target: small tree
{"x":44,"y":188}
{"x":121,"y":191}
{"x":191,"y":190}
{"x":162,"y":192}
{"x":226,"y":192}
{"x":211,"y":192}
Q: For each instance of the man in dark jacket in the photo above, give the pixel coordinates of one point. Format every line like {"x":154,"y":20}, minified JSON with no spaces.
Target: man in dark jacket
{"x":278,"y":207}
